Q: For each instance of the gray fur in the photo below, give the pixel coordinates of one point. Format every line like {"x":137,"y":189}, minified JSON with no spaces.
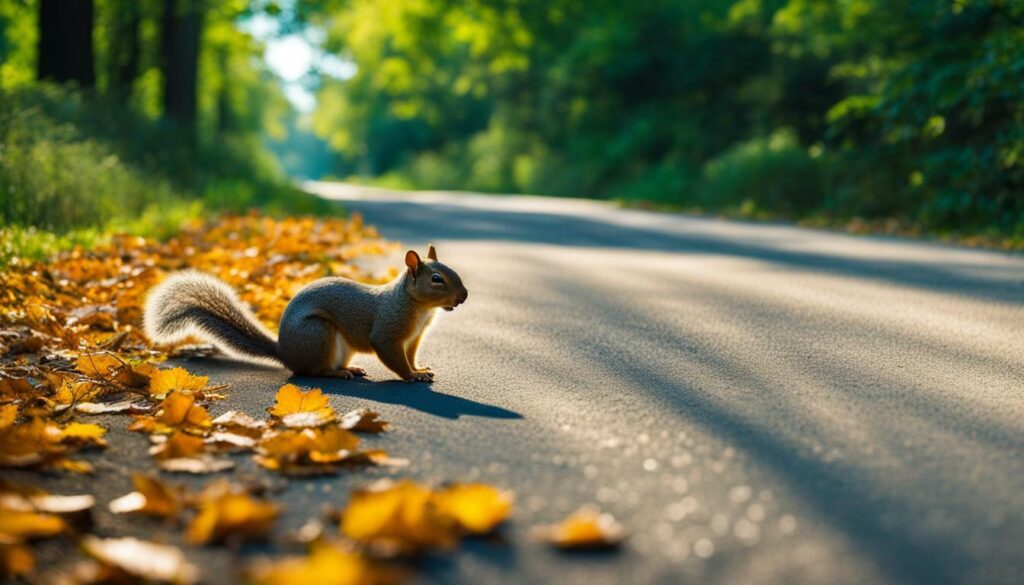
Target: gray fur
{"x":191,"y":303}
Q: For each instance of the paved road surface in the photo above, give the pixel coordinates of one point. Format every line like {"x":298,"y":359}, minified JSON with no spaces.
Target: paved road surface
{"x":757,"y":403}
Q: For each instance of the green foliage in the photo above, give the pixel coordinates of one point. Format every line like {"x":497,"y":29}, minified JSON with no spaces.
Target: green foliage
{"x":76,"y":165}
{"x":773,"y":173}
{"x":914,"y":110}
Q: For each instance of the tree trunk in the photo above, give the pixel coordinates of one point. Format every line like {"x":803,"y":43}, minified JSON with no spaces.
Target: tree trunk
{"x":182,"y":27}
{"x":65,"y":42}
{"x":124,"y":67}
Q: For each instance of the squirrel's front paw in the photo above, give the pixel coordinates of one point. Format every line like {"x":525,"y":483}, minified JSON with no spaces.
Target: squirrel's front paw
{"x":421,"y":376}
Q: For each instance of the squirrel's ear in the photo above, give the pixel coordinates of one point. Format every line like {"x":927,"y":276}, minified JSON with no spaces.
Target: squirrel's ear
{"x":412,"y":260}
{"x":431,"y":252}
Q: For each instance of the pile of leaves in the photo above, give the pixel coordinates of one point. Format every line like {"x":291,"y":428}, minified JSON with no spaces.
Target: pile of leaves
{"x":71,"y":346}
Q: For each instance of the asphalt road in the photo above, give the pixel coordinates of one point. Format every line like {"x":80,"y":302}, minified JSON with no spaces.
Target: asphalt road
{"x":756,"y":403}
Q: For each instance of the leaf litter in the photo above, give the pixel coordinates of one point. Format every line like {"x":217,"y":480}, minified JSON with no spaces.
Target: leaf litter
{"x":71,"y":345}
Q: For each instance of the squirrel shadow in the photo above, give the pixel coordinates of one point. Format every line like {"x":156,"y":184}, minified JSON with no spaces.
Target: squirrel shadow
{"x":415,"y":395}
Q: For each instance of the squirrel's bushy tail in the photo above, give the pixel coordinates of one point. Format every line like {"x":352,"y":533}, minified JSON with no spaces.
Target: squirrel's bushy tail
{"x":191,"y":303}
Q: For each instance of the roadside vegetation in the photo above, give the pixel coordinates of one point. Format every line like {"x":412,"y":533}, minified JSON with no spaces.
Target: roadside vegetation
{"x":904,"y":116}
{"x":111,"y":147}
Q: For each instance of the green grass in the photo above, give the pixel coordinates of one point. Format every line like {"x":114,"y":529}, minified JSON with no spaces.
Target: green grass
{"x":74,"y":169}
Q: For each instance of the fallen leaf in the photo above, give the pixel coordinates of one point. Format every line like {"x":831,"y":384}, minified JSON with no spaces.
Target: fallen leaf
{"x":16,"y":559}
{"x":20,"y":525}
{"x":363,"y":420}
{"x":326,"y":564}
{"x":126,"y":405}
{"x":177,"y":446}
{"x":291,"y":400}
{"x":163,"y":382}
{"x":8,"y":414}
{"x":151,"y":497}
{"x":141,"y":559}
{"x":227,"y":512}
{"x":477,"y":508}
{"x":396,"y":516}
{"x":196,"y":465}
{"x":587,"y":528}
{"x":83,"y":434}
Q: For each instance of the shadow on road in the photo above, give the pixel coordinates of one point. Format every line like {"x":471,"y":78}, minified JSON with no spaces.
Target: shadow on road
{"x":405,"y":221}
{"x":418,"y":396}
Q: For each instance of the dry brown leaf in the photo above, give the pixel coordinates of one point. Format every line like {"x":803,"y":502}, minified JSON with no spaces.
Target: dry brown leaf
{"x":229,"y":513}
{"x":364,"y":421}
{"x":326,"y":564}
{"x":587,"y":528}
{"x":145,"y":561}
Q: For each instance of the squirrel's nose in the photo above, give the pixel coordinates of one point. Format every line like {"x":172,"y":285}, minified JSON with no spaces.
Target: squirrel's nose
{"x":462,"y":298}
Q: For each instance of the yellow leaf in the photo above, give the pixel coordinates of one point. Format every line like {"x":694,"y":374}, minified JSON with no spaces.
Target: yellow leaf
{"x":398,"y":516}
{"x":326,"y":565}
{"x":476,"y":507}
{"x":20,"y":524}
{"x":83,"y":434}
{"x":180,"y":410}
{"x":8,"y":413}
{"x":290,"y":399}
{"x":586,"y":528}
{"x":177,"y":446}
{"x":16,"y":559}
{"x":231,"y":514}
{"x":163,"y":382}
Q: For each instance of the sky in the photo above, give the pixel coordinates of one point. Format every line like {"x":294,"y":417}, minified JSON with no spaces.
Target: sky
{"x":291,"y":57}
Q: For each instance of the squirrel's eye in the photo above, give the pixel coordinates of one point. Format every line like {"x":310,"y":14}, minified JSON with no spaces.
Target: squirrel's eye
{"x":436,"y":278}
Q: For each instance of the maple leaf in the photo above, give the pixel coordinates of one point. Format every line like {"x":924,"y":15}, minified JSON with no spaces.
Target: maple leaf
{"x":587,"y":528}
{"x":132,"y":560}
{"x":396,"y":516}
{"x":74,"y":391}
{"x":309,"y":450}
{"x":477,"y":508}
{"x":326,"y":564}
{"x":227,"y":512}
{"x":301,"y":409}
{"x":178,"y":411}
{"x":151,"y":497}
{"x":163,"y":382}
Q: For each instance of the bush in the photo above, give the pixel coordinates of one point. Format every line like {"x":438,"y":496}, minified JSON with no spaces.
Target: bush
{"x":773,"y":173}
{"x":70,"y":163}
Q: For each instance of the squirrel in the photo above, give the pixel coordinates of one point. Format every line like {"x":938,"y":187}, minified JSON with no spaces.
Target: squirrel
{"x":328,"y":321}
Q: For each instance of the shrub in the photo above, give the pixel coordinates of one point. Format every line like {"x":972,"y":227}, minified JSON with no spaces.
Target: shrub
{"x":771,"y":173}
